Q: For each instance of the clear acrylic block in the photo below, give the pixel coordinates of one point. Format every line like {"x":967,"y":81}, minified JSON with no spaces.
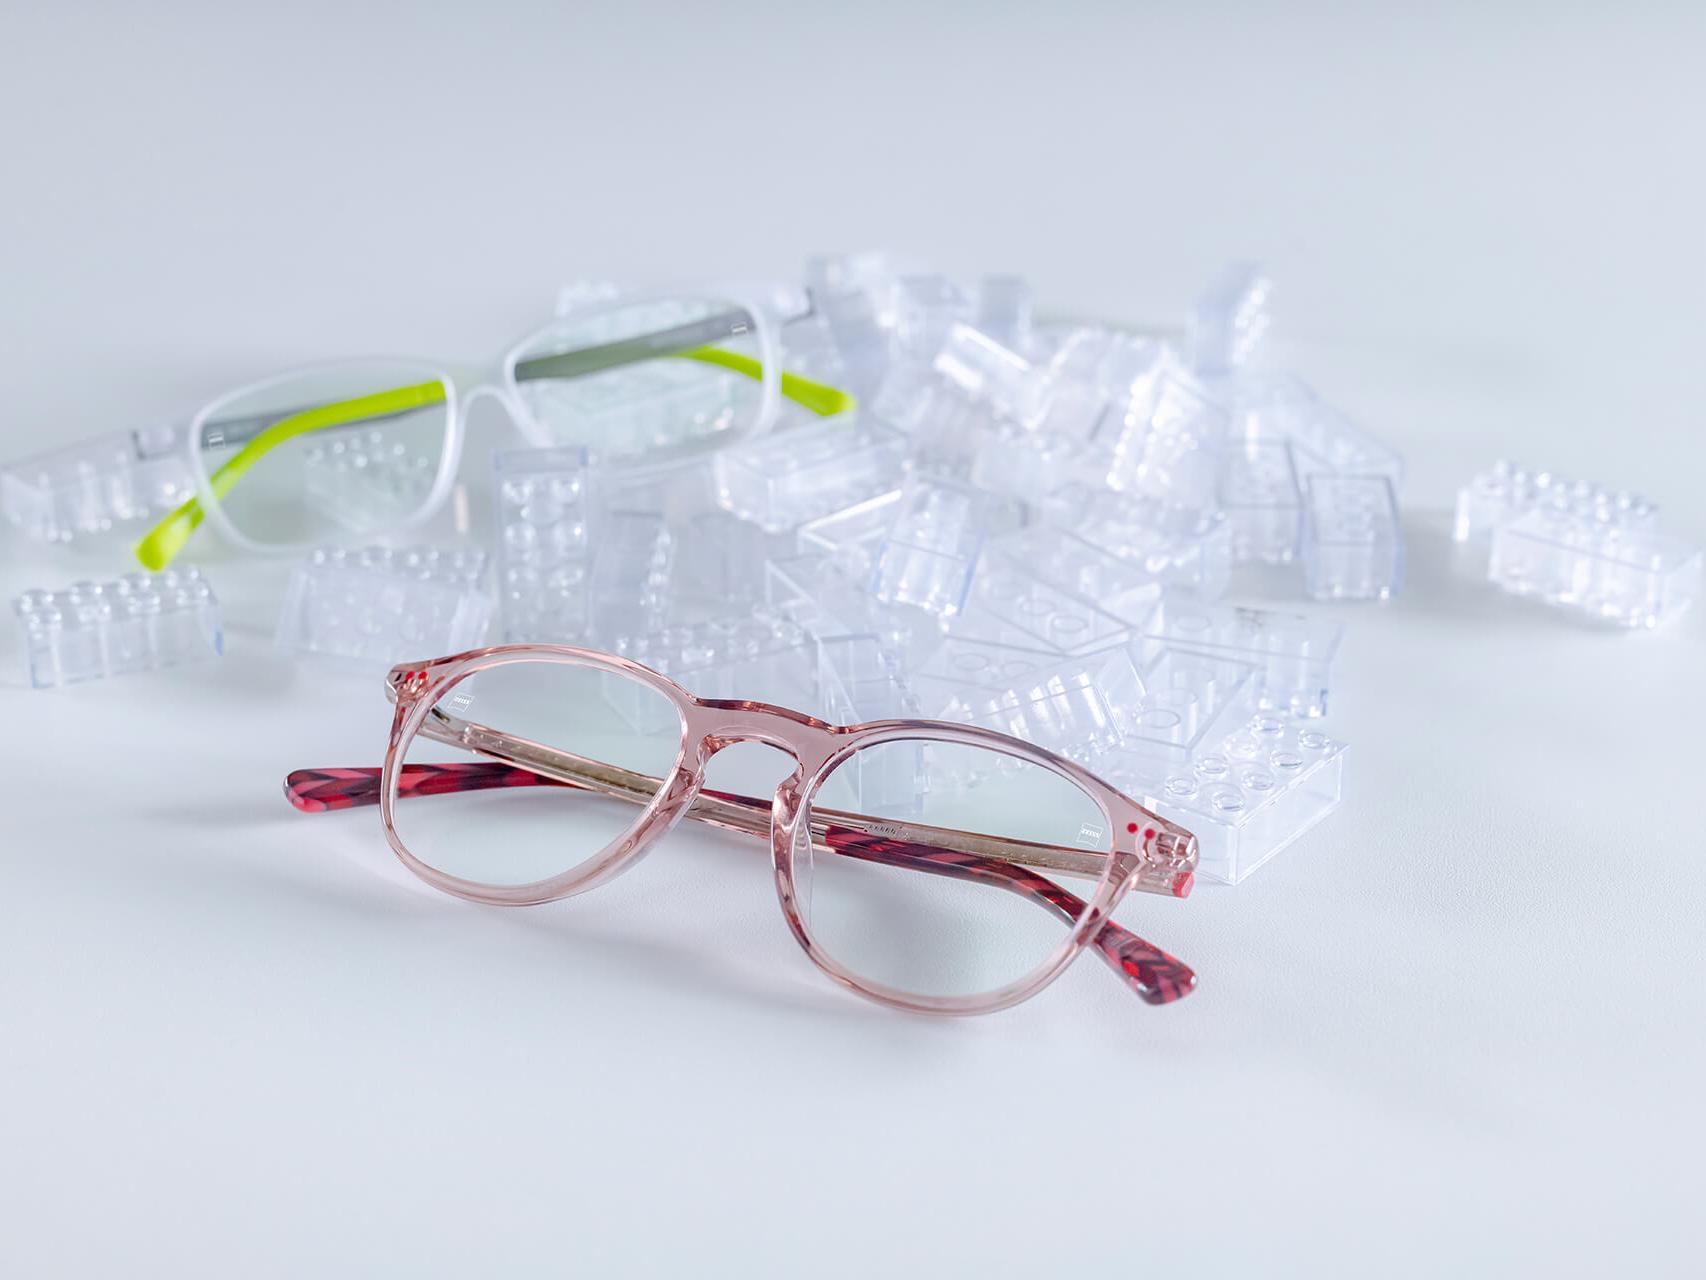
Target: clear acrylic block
{"x":1262,"y":500}
{"x":719,"y":564}
{"x":961,"y":666}
{"x":366,"y":478}
{"x":544,"y":506}
{"x":1126,"y":589}
{"x":140,"y":622}
{"x":1506,"y":491}
{"x":784,"y":478}
{"x":1189,"y":698}
{"x":757,"y":658}
{"x":1075,"y":707}
{"x":1245,"y":796}
{"x":1230,"y":319}
{"x":853,"y":536}
{"x":925,"y":308}
{"x":1292,"y":656}
{"x":1353,"y":545}
{"x":930,"y":552}
{"x":1198,"y":560}
{"x":90,"y":487}
{"x":1627,"y":577}
{"x":1282,"y":407}
{"x":1013,"y":601}
{"x":1030,"y":465}
{"x":384,"y":605}
{"x":858,"y":681}
{"x":984,"y":370}
{"x":813,"y":591}
{"x":1170,"y":448}
{"x":631,"y":575}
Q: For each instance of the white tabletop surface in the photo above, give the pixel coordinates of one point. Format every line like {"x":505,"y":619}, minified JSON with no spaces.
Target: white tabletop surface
{"x":1457,"y":1029}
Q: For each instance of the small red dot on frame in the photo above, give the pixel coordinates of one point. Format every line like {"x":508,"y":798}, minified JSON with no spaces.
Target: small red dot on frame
{"x":1131,"y":827}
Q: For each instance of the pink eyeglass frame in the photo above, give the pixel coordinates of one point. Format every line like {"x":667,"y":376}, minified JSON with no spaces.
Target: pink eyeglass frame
{"x":1149,"y":853}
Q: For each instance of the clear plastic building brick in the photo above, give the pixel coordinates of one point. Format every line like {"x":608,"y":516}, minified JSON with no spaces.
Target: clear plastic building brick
{"x":1282,"y":407}
{"x":812,"y":590}
{"x":1353,"y":546}
{"x":961,"y":667}
{"x":1506,"y":492}
{"x":931,"y":550}
{"x":1292,"y":655}
{"x":757,"y":658}
{"x":926,"y":307}
{"x":858,"y":681}
{"x":1076,"y":706}
{"x":783,"y":479}
{"x":1016,"y":602}
{"x":853,"y":536}
{"x":90,"y":487}
{"x":544,"y":508}
{"x":1198,"y":560}
{"x":1262,"y":500}
{"x":141,"y":622}
{"x":1245,"y":796}
{"x":719,"y":564}
{"x":985,"y":370}
{"x":1004,"y":309}
{"x":653,"y":405}
{"x":1128,"y":590}
{"x":1189,"y":698}
{"x":385,"y":606}
{"x":1170,"y":449}
{"x":366,"y":479}
{"x":1031,"y":465}
{"x":631,"y":575}
{"x":1226,"y":326}
{"x":1627,"y":577}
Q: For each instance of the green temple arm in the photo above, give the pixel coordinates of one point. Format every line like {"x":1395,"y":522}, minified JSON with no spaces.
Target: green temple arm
{"x":166,"y":539}
{"x":163,"y":542}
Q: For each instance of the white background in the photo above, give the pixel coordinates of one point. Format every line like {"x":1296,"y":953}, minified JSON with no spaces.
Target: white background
{"x":1457,"y":1029}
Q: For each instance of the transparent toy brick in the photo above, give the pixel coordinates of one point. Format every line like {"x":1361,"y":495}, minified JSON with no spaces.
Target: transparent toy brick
{"x":1292,"y":655}
{"x":1262,"y":500}
{"x":1030,"y":465}
{"x":858,"y":681}
{"x":930,"y":552}
{"x":815,"y":592}
{"x":653,"y":405}
{"x":1627,"y":577}
{"x":544,"y":506}
{"x":631,"y":575}
{"x":1245,"y":796}
{"x":1323,"y":439}
{"x":1004,"y":310}
{"x":1128,"y":590}
{"x":1198,"y":560}
{"x":758,"y":658}
{"x":1506,"y":492}
{"x":782,"y":479}
{"x":1353,"y":546}
{"x":1189,"y":698}
{"x":1076,"y":706}
{"x":140,"y":622}
{"x":853,"y":536}
{"x":719,"y":564}
{"x":90,"y":487}
{"x":1227,"y":325}
{"x":381,"y":604}
{"x":1013,"y":601}
{"x":364,"y":479}
{"x":985,"y":370}
{"x":926,"y":307}
{"x":961,"y":668}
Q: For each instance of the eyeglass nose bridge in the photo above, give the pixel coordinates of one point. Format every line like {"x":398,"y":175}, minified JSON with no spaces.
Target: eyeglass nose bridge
{"x":718,"y":725}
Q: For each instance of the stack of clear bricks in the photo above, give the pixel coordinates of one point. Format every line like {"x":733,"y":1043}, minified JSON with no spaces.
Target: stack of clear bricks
{"x":140,"y":622}
{"x":384,"y":605}
{"x":1584,"y":548}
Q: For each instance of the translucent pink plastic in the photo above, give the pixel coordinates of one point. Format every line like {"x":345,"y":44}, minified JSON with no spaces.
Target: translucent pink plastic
{"x":1149,"y":853}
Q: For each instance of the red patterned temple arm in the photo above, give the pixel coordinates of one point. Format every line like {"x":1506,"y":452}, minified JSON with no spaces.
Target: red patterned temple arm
{"x":1153,"y":974}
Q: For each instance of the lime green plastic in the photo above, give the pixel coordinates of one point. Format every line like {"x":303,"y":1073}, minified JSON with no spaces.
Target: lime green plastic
{"x":821,"y":398}
{"x":166,"y":539}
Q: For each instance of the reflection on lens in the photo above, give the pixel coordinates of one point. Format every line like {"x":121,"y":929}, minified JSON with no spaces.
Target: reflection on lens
{"x":489,"y":819}
{"x":643,"y":378}
{"x":345,"y":449}
{"x":884,"y":899}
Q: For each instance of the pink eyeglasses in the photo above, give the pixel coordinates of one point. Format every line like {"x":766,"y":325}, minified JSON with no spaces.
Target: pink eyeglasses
{"x":889,"y":840}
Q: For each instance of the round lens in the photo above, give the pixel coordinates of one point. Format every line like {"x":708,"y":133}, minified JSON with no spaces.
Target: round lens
{"x":526,"y":770}
{"x":914,"y":878}
{"x":645,"y":378}
{"x":344,"y":449}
